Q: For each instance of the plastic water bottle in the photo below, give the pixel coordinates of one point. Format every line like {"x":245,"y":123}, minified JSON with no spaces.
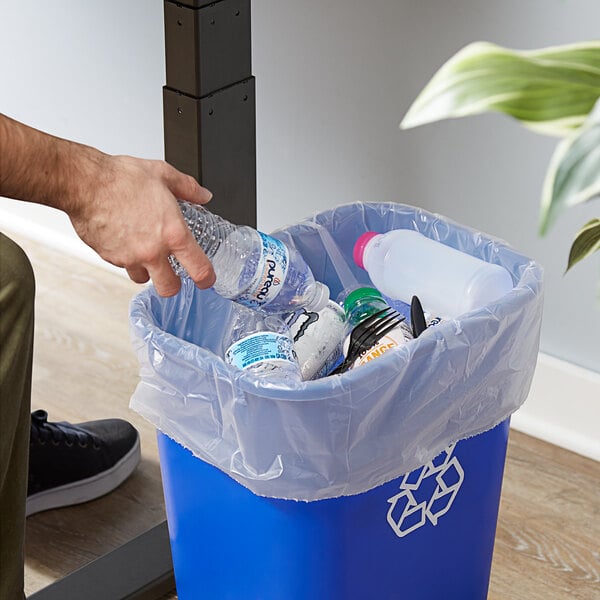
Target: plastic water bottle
{"x":262,"y":344}
{"x":403,"y":263}
{"x":318,"y":339}
{"x":359,"y":305}
{"x":254,"y":269}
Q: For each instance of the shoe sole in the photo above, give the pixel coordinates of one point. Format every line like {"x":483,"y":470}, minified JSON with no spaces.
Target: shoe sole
{"x":88,"y":489}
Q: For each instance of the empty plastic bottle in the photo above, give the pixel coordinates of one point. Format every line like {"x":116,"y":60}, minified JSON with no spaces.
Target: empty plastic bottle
{"x":403,"y":263}
{"x":318,"y":339}
{"x":253,"y":268}
{"x":262,"y":344}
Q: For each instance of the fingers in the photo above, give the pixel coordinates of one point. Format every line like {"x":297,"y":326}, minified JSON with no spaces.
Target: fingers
{"x":166,"y":282}
{"x":195,"y":262}
{"x":177,"y":239}
{"x":185,"y":187}
{"x":138,"y":274}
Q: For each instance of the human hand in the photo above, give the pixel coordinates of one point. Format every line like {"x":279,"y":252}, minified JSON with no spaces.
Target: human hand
{"x":129,"y":215}
{"x":124,"y":208}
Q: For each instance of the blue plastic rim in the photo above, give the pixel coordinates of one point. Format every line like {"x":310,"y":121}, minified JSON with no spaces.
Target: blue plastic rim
{"x":426,"y":536}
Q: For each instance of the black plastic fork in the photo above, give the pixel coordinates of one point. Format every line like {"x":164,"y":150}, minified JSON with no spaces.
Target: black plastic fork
{"x":367,"y":333}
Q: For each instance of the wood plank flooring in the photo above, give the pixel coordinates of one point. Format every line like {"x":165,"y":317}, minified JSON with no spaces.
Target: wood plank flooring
{"x":85,"y":369}
{"x":548,"y":539}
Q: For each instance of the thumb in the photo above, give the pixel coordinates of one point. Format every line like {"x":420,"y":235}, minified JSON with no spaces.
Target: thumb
{"x":185,"y":187}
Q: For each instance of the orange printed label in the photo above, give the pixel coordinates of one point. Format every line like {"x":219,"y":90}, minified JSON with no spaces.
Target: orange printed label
{"x":383,"y":345}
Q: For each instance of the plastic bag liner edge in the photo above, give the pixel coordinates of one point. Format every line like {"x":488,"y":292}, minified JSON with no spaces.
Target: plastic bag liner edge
{"x":340,"y":435}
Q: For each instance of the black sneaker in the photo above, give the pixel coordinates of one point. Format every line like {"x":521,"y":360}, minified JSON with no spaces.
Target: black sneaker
{"x":69,"y":464}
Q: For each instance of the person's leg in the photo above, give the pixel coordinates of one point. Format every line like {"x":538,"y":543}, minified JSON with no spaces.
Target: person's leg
{"x":17,"y":291}
{"x":43,"y":465}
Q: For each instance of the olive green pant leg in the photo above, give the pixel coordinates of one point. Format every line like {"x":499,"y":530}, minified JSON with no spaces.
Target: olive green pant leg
{"x":17,"y":292}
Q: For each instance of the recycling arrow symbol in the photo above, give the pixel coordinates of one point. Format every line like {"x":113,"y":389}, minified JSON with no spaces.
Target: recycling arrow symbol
{"x":406,"y":514}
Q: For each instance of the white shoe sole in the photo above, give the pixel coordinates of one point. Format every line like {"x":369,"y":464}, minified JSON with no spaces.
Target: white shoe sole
{"x":88,"y":489}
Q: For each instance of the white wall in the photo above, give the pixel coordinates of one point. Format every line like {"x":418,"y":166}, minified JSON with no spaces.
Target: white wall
{"x":334,"y":78}
{"x":89,"y":71}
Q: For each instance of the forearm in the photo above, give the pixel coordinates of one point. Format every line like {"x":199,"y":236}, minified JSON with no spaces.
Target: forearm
{"x":125,"y":208}
{"x":38,"y":167}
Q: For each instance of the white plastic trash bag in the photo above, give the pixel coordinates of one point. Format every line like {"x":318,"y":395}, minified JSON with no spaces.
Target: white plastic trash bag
{"x":344,"y":434}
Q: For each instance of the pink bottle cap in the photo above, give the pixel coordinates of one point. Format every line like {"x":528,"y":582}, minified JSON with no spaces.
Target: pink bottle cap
{"x":360,"y":245}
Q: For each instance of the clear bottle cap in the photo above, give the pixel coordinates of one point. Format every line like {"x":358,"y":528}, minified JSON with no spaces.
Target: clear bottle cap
{"x":320,"y":297}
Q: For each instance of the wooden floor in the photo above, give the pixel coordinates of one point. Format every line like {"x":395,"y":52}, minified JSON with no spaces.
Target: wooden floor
{"x":548,"y":540}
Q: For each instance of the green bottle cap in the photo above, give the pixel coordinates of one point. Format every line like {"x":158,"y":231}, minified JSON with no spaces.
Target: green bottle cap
{"x":360,"y":294}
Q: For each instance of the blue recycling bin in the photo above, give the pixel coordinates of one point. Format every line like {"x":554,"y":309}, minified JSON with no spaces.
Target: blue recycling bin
{"x":428,"y":535}
{"x":383,"y":482}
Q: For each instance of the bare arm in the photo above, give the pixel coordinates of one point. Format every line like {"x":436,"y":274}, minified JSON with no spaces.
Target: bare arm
{"x":124,"y":208}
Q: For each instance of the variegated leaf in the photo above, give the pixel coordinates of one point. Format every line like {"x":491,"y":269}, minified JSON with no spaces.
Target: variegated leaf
{"x":585,"y":243}
{"x":551,"y":90}
{"x":573,"y":175}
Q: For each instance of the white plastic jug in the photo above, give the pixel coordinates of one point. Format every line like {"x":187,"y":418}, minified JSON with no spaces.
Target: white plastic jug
{"x":402,"y":263}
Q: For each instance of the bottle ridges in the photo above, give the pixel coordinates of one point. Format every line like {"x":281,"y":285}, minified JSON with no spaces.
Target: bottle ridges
{"x":209,"y":230}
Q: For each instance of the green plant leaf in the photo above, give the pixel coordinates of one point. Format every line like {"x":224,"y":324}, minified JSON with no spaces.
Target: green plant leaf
{"x":573,"y":175}
{"x":550,"y":90}
{"x":585,"y":243}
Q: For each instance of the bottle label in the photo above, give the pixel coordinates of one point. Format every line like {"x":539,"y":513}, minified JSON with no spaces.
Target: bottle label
{"x":318,"y":338}
{"x":388,"y":342}
{"x":333,"y":361}
{"x":271,"y":272}
{"x":432,"y":322}
{"x":303,"y":324}
{"x":260,"y":347}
